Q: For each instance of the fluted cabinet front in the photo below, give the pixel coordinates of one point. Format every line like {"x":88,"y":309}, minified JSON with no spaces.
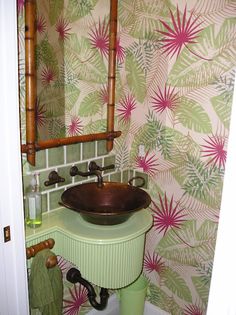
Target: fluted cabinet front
{"x":107,"y":256}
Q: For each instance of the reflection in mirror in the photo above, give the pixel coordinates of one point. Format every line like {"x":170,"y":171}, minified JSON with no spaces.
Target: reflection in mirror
{"x":70,"y":52}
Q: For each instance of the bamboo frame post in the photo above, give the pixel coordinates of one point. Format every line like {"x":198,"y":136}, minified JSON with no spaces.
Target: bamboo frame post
{"x":30,"y":78}
{"x":111,"y":71}
{"x":32,"y":145}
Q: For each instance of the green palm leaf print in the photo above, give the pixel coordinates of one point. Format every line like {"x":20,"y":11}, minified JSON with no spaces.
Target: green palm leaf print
{"x":176,"y":284}
{"x":160,"y":298}
{"x":191,"y":245}
{"x":86,"y":62}
{"x":191,"y":71}
{"x":192,"y":116}
{"x":55,"y":10}
{"x":201,"y":288}
{"x":222,"y":108}
{"x":135,"y":78}
{"x":79,"y":8}
{"x":200,"y":180}
{"x":90,"y":105}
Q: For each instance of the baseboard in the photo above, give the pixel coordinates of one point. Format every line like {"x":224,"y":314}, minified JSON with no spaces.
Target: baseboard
{"x":113,"y":308}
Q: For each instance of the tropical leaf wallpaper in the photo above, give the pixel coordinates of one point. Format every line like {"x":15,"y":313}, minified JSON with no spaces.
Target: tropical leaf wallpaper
{"x":175,"y":78}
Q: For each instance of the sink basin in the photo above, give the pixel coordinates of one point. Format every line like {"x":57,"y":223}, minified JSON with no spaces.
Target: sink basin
{"x":113,"y":203}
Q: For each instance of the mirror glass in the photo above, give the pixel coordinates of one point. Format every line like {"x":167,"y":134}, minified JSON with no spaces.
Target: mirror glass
{"x":72,"y":46}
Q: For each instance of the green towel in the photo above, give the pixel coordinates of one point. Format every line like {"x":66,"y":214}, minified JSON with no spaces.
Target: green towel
{"x":45,"y":285}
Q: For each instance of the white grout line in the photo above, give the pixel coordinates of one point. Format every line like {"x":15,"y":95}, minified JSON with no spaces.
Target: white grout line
{"x":121,"y":176}
{"x":64,"y":165}
{"x":65,"y":156}
{"x":96,"y":149}
{"x":47,"y":164}
{"x":48,"y":202}
{"x":81,"y":153}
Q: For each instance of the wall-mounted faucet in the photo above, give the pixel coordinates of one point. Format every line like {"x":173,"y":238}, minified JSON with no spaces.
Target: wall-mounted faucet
{"x":94,"y":169}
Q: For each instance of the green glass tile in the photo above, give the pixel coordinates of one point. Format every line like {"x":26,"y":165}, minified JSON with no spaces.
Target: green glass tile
{"x":64,"y":172}
{"x":88,"y":150}
{"x":56,"y":156}
{"x":73,"y":153}
{"x":106,"y":178}
{"x":108,"y":161}
{"x":125,"y":176}
{"x":115,"y":177}
{"x":144,"y":176}
{"x":131,"y":174}
{"x":83,"y":167}
{"x":102,"y":147}
{"x":44,"y":203}
{"x":55,"y":197}
{"x":40,"y":161}
{"x":26,"y":182}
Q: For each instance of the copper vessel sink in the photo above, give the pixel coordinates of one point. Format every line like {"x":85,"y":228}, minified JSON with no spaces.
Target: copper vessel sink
{"x":113,"y":203}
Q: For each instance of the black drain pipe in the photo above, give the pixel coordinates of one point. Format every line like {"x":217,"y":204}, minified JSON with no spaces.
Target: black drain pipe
{"x":74,"y":276}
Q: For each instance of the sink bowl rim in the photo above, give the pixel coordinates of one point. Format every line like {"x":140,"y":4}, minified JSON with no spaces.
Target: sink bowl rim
{"x":113,"y":214}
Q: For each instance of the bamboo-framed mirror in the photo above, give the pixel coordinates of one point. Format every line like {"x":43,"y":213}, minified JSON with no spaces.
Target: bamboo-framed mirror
{"x":32,"y":24}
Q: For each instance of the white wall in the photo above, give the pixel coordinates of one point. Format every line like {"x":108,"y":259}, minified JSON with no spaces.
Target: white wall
{"x":222,"y":298}
{"x":13,"y":277}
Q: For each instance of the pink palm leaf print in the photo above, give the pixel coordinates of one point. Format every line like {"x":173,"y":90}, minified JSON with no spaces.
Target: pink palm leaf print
{"x":167,"y":216}
{"x":63,"y":29}
{"x":153,"y":263}
{"x":64,"y":264}
{"x":126,"y":106}
{"x":20,"y":5}
{"x":120,"y":52}
{"x":40,"y":116}
{"x":40,"y":24}
{"x":47,"y":76}
{"x":75,"y":126}
{"x":182,"y":33}
{"x":103,"y":94}
{"x":215,"y":150}
{"x":147,"y":163}
{"x":165,"y":100}
{"x":193,"y":310}
{"x":99,"y":38}
{"x":78,"y":298}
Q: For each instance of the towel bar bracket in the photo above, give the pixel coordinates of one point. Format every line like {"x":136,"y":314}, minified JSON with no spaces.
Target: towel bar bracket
{"x":33,"y":250}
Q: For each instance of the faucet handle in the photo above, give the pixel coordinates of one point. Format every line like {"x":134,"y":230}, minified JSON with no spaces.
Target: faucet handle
{"x":74,"y":171}
{"x":94,"y":167}
{"x":54,"y":178}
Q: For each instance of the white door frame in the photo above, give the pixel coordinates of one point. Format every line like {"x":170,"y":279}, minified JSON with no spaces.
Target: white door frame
{"x":13,"y":274}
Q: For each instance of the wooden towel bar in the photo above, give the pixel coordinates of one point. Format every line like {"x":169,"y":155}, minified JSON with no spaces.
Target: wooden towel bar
{"x":33,"y":250}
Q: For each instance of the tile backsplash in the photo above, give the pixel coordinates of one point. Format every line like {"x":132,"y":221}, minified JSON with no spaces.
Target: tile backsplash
{"x":61,"y":159}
